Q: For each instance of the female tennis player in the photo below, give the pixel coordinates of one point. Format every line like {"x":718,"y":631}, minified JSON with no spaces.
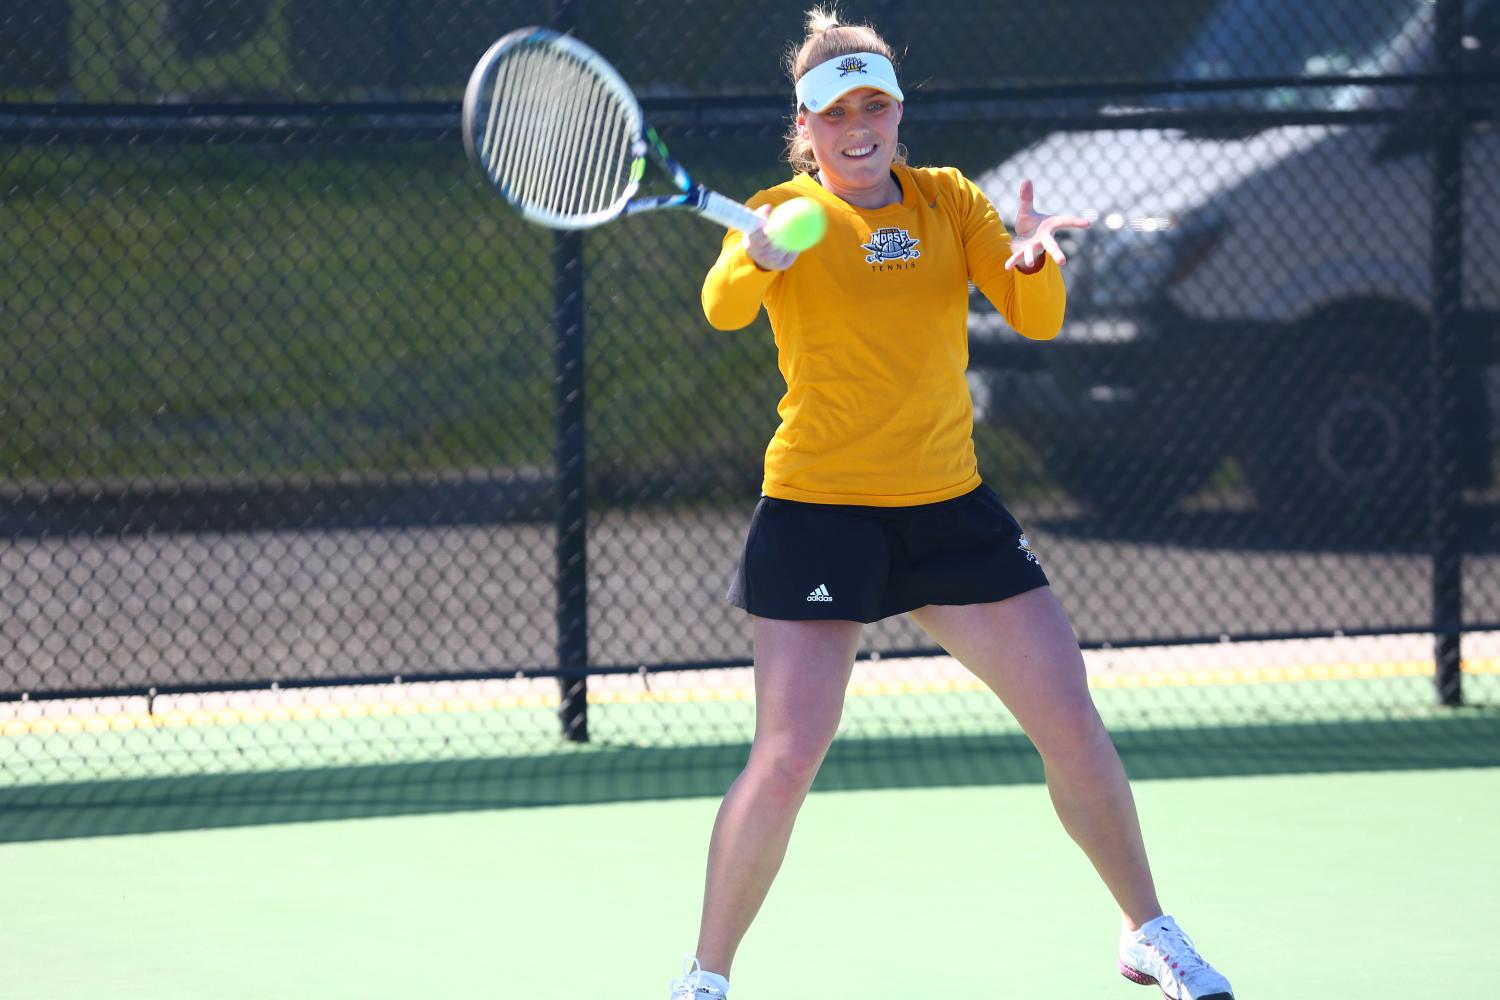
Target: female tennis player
{"x":873,"y":504}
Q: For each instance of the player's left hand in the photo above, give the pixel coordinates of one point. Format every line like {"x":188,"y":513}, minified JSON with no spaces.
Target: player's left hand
{"x":1035,"y":234}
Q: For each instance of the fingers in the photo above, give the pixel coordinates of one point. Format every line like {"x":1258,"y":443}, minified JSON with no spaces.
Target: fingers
{"x":1027,"y":253}
{"x":779,"y":260}
{"x":1053,"y":250}
{"x":1023,"y":254}
{"x":1030,"y":244}
{"x":1052,"y":223}
{"x":1028,"y":207}
{"x":767,"y":256}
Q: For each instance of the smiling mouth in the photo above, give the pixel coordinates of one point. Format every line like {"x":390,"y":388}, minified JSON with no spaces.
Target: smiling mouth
{"x":860,"y":152}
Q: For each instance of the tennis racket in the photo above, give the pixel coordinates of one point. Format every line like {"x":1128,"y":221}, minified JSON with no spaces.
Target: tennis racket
{"x":559,"y":134}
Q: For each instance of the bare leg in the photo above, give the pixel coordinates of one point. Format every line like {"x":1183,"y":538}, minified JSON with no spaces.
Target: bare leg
{"x":801,"y":672}
{"x":1025,"y":651}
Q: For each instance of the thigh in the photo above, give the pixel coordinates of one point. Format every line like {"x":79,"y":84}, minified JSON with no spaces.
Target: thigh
{"x":802,"y":670}
{"x":1026,"y":652}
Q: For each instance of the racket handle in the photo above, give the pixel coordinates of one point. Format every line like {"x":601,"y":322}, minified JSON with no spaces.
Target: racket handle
{"x":728,"y":213}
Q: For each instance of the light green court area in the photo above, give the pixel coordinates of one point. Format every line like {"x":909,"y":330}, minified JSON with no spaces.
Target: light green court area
{"x":1319,"y":838}
{"x":368,"y":731}
{"x":1332,"y":885}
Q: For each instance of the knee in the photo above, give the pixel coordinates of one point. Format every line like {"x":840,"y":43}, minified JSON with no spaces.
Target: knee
{"x":788,"y":765}
{"x":1077,"y":738}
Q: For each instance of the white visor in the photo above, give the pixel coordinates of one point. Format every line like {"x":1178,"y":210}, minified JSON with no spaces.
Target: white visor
{"x":828,"y":81}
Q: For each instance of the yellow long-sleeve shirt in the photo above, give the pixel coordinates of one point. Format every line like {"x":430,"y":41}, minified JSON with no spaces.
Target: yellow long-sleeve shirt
{"x":871,"y":330}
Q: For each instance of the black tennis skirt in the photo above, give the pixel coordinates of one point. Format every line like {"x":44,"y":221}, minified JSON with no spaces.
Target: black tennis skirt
{"x":808,"y":561}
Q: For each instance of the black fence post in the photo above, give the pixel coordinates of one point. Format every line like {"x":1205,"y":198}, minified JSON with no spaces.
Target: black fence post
{"x":572,"y":443}
{"x":1447,"y":348}
{"x":572,"y":501}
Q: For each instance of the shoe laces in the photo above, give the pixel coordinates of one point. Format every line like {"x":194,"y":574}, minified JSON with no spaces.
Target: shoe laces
{"x":687,"y":986}
{"x":1178,"y":949}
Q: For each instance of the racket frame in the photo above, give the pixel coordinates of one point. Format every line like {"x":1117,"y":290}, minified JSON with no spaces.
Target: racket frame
{"x":644,"y":144}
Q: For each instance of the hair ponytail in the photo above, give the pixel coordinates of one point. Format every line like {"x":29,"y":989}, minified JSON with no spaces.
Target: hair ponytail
{"x":820,"y":20}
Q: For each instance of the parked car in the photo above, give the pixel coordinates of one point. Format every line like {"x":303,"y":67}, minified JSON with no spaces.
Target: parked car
{"x":1260,"y":293}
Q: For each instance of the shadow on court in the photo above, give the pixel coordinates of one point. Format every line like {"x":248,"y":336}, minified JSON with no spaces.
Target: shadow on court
{"x":1468,"y":737}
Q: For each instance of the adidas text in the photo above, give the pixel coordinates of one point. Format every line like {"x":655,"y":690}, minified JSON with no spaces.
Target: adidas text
{"x":820,"y":594}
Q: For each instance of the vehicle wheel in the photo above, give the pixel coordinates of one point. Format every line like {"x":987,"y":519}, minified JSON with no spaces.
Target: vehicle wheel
{"x":1343,"y":445}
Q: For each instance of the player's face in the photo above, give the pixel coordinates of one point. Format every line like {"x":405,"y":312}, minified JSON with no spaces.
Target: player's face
{"x":854,"y":140}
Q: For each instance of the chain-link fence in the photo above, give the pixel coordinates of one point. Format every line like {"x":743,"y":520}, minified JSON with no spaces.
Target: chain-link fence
{"x":287,"y":390}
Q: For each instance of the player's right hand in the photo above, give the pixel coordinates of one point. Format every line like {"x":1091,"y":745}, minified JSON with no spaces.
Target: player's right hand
{"x":766,"y":256}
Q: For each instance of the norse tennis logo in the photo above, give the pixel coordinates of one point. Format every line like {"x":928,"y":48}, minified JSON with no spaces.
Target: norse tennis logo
{"x":820,"y":593}
{"x":851,"y":65}
{"x":889,"y":244}
{"x":1025,"y":547}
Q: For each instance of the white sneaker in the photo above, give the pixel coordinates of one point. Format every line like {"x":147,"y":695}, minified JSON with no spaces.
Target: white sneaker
{"x":697,"y":984}
{"x":1160,"y":954}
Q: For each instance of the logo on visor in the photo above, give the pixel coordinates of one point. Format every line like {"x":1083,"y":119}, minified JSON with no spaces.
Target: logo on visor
{"x":851,"y":65}
{"x":891,"y":243}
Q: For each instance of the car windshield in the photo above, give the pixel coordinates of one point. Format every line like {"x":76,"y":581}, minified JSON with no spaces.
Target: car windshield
{"x":1278,"y":38}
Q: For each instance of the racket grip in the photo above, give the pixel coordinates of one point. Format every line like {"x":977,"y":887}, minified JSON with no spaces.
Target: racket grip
{"x":727,"y":212}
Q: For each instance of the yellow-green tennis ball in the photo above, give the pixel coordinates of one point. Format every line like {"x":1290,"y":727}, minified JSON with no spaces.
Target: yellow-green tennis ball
{"x":796,"y":225}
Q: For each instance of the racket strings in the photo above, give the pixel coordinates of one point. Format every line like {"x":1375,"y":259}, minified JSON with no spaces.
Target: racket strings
{"x":557,"y":136}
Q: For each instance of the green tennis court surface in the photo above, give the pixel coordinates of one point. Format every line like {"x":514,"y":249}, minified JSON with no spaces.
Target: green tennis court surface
{"x":1320,"y":829}
{"x":1368,"y":885}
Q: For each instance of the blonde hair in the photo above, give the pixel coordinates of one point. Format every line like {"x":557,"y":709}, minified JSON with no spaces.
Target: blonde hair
{"x":827,"y":39}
